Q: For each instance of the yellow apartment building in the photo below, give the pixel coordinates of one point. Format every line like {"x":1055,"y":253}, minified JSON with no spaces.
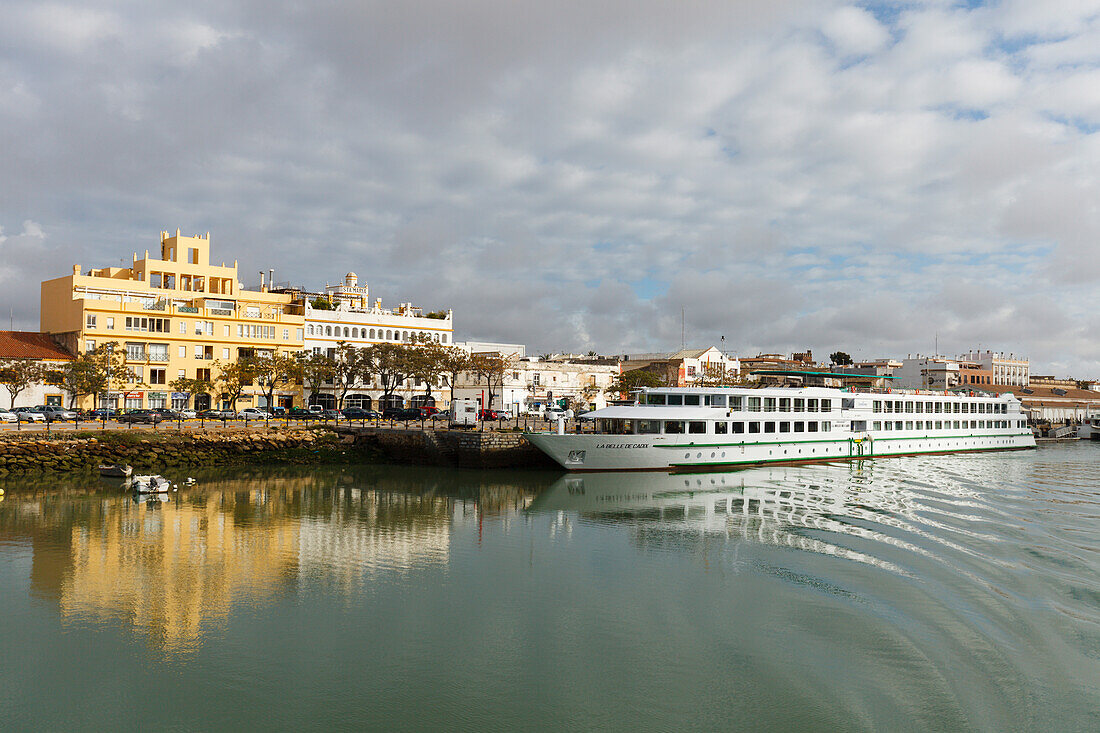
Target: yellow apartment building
{"x":174,"y":316}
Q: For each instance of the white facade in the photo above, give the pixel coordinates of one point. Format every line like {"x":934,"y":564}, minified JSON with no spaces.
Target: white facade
{"x":1008,"y":370}
{"x":531,"y":384}
{"x":927,"y":372}
{"x":356,"y":321}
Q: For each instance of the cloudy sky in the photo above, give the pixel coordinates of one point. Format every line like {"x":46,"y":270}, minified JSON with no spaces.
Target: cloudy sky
{"x":571,"y":174}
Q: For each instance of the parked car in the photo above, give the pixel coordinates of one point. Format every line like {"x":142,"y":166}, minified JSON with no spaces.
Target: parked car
{"x":29,"y":414}
{"x":56,"y":413}
{"x":253,"y":413}
{"x":401,"y":413}
{"x":358,"y":413}
{"x":7,"y":416}
{"x":316,"y":408}
{"x":188,"y":414}
{"x":151,"y":417}
{"x":166,"y":414}
{"x":217,"y":415}
{"x":428,"y":410}
{"x":553,"y":413}
{"x":299,"y":413}
{"x":103,"y":413}
{"x":488,"y":415}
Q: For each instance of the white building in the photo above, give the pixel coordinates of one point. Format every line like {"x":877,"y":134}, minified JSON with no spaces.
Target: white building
{"x":39,"y":347}
{"x":1007,"y":369}
{"x":927,"y":372}
{"x":354,"y":320}
{"x":530,"y":384}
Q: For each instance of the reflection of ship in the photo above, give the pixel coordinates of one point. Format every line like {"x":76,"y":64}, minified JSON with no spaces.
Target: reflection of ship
{"x":806,"y":508}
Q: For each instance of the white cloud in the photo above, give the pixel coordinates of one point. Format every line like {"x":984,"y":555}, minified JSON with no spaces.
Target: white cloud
{"x":795,"y":174}
{"x":854,"y":31}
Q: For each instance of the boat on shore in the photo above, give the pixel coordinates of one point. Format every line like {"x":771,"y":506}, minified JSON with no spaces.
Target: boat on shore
{"x":1090,"y":428}
{"x":115,"y":471}
{"x":695,"y":428}
{"x":153,"y":484}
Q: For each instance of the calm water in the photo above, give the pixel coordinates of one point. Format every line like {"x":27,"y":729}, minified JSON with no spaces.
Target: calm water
{"x":939,"y":593}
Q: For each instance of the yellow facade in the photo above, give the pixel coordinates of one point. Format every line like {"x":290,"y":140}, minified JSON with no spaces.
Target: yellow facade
{"x":174,"y":316}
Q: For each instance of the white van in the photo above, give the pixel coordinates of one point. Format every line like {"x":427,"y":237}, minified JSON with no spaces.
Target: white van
{"x":464,"y":412}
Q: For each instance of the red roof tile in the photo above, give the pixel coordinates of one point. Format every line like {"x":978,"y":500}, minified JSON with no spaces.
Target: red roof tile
{"x":30,"y":345}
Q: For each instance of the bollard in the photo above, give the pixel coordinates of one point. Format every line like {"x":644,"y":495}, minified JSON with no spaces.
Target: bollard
{"x":561,"y":426}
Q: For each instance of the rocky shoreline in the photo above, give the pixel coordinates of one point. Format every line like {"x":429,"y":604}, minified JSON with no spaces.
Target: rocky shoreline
{"x":149,"y":450}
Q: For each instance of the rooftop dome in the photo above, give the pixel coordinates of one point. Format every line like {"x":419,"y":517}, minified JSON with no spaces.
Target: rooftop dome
{"x":351,"y":279}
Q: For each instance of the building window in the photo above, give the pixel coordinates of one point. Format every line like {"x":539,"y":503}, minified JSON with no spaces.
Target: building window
{"x":157,"y":376}
{"x":183,"y":326}
{"x":182,"y":374}
{"x":135,"y":352}
{"x":158,"y":352}
{"x":226,"y":331}
{"x":299,"y":332}
{"x":89,"y":321}
{"x":286,"y":334}
{"x":110,"y":323}
{"x":89,"y":346}
{"x":133,"y":403}
{"x":135,"y":374}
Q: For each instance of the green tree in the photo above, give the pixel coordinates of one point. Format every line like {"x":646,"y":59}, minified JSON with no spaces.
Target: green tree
{"x":428,"y":364}
{"x":349,"y":368}
{"x":274,"y":371}
{"x":453,"y":361}
{"x":635,"y":379}
{"x":317,"y":369}
{"x":391,"y":363}
{"x":839,"y":358}
{"x":18,"y":374}
{"x":491,"y":368}
{"x":95,"y":372}
{"x":232,"y":378}
{"x":192,"y":387}
{"x":321,"y":304}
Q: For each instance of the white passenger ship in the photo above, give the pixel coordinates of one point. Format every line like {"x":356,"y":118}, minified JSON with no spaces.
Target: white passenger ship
{"x":682,"y":428}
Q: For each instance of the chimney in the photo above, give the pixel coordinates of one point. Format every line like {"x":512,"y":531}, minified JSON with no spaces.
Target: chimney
{"x":271,"y":278}
{"x":263,"y":288}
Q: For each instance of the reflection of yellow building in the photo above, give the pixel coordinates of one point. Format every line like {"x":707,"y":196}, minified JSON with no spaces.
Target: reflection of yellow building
{"x":172,"y":316}
{"x":173,"y":568}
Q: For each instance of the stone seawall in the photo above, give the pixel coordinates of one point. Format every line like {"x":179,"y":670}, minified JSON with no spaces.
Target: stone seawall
{"x":460,"y":448}
{"x":148,"y":450}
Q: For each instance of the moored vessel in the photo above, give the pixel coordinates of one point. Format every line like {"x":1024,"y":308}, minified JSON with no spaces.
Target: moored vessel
{"x":692,"y":428}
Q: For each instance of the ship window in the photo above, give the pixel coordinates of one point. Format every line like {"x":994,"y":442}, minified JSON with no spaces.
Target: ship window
{"x":717,"y":400}
{"x":888,"y":425}
{"x":754,"y":427}
{"x":769,"y":427}
{"x":878,"y":406}
{"x":655,"y":399}
{"x":800,"y":427}
{"x":877,"y":425}
{"x":784,"y":427}
{"x":784,"y":404}
{"x":674,"y":427}
{"x":908,"y":406}
{"x":721,"y":428}
{"x":735,"y":403}
{"x":697,"y":426}
{"x":920,"y":424}
{"x":826,"y":426}
{"x":691,"y":400}
{"x":811,"y":426}
{"x":769,"y":404}
{"x":738,"y":427}
{"x":898,"y":425}
{"x":754,"y":404}
{"x":939,"y":425}
{"x":811,"y":405}
{"x":826,"y":405}
{"x":675,"y":399}
{"x":648,"y":427}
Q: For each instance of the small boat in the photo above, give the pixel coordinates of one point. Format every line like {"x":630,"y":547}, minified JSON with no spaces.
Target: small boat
{"x":150,"y":484}
{"x":115,"y":471}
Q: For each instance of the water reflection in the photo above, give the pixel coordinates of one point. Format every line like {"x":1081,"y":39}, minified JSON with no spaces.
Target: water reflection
{"x":175,"y":566}
{"x":846,"y":510}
